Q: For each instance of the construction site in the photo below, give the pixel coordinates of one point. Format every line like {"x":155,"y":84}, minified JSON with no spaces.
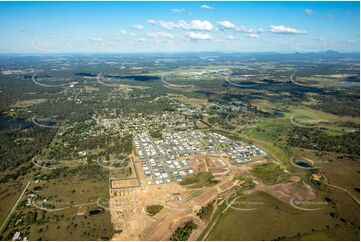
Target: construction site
{"x":128,"y":205}
{"x":129,"y":198}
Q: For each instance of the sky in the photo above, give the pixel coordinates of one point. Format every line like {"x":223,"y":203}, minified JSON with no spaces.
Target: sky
{"x":122,"y":27}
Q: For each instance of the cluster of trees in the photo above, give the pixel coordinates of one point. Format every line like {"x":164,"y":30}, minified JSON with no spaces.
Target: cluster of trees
{"x":88,"y":171}
{"x":247,"y":182}
{"x":315,"y":139}
{"x":156,"y":134}
{"x":20,"y":171}
{"x":205,"y":211}
{"x":183,"y":233}
{"x":219,"y":121}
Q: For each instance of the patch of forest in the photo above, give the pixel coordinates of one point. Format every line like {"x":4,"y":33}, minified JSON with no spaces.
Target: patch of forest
{"x":141,"y":78}
{"x":19,"y":146}
{"x":339,"y":105}
{"x":315,"y":139}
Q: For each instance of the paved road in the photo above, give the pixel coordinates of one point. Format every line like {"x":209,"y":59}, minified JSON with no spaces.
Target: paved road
{"x":296,"y":83}
{"x":299,"y":125}
{"x":176,"y":85}
{"x":13,"y":209}
{"x":46,"y":85}
{"x":239,"y":85}
{"x":59,"y":209}
{"x":33,"y":119}
{"x":216,"y":220}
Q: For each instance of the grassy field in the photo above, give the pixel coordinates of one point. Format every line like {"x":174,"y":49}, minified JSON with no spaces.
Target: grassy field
{"x":10,"y":190}
{"x":197,"y":193}
{"x":274,"y":220}
{"x":272,"y":133}
{"x":344,"y":173}
{"x":339,"y":170}
{"x":73,"y":227}
{"x":193,"y":101}
{"x":74,"y":192}
{"x":270,"y":173}
{"x":274,"y":130}
{"x":28,"y":103}
{"x":271,"y":130}
{"x":10,"y":193}
{"x":154,"y":209}
{"x":199,"y":180}
{"x":321,"y":235}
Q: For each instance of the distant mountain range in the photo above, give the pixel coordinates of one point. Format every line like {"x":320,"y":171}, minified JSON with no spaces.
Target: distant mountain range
{"x":329,"y":54}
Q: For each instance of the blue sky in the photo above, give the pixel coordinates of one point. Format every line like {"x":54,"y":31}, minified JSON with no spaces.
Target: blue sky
{"x":46,"y":27}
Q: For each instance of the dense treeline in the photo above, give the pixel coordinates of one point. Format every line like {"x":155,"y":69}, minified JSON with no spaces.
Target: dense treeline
{"x":136,"y":77}
{"x":348,"y":143}
{"x":339,"y":105}
{"x":19,"y":146}
{"x":20,"y":171}
{"x":72,"y":143}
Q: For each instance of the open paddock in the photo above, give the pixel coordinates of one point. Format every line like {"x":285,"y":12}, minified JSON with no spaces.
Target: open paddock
{"x":121,"y":183}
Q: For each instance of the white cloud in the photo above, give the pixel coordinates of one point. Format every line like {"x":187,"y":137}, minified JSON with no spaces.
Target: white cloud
{"x":168,"y":25}
{"x":178,"y":10}
{"x":201,"y":25}
{"x":280,"y":29}
{"x":205,"y":6}
{"x":244,"y":29}
{"x":137,"y":26}
{"x":197,"y":36}
{"x":252,"y":33}
{"x":254,"y":36}
{"x":141,"y":40}
{"x":309,"y":11}
{"x":152,"y":21}
{"x":123,"y":31}
{"x":226,"y":24}
{"x":230,"y":37}
{"x":96,"y":40}
{"x":193,"y":25}
{"x":161,"y":37}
